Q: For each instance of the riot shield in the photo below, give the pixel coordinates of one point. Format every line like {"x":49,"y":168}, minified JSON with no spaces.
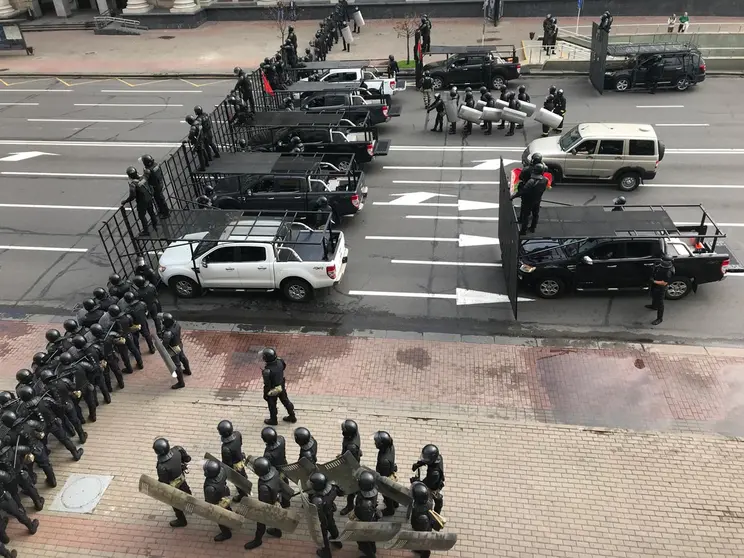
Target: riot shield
{"x":175,"y":498}
{"x":313,"y":520}
{"x":450,"y":109}
{"x":491,"y":114}
{"x":527,"y":108}
{"x":369,"y":531}
{"x":501,"y":104}
{"x":270,"y":515}
{"x":232,"y":475}
{"x":299,"y":472}
{"x":544,"y":116}
{"x":424,"y":540}
{"x":286,"y":489}
{"x":516,"y":116}
{"x":389,"y":488}
{"x":426,"y":121}
{"x":341,"y":471}
{"x":470,"y":114}
{"x":164,"y":354}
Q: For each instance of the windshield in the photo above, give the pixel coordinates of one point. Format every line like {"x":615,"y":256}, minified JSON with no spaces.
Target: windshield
{"x":569,"y":138}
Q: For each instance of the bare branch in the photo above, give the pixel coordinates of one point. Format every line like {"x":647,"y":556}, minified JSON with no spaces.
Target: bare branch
{"x":282,"y":15}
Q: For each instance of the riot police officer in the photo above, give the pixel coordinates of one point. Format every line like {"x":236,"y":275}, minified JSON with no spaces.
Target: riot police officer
{"x":97,"y":375}
{"x":103,"y":298}
{"x":137,"y":312}
{"x":154,"y":176}
{"x":50,"y":412}
{"x":196,"y":141}
{"x":35,"y":437}
{"x":526,"y":172}
{"x":18,"y":437}
{"x":365,"y":509}
{"x":116,"y":321}
{"x":232,"y":451}
{"x":503,"y":96}
{"x":467,"y":128}
{"x":531,"y":194}
{"x":275,"y":387}
{"x":386,"y":466}
{"x":148,"y":293}
{"x":549,"y":105}
{"x":351,"y":443}
{"x":425,"y":29}
{"x":392,"y":67}
{"x":660,"y":279}
{"x":139,"y":192}
{"x":292,"y":36}
{"x":244,"y":89}
{"x":438,"y":105}
{"x":323,"y":496}
{"x":93,"y":313}
{"x":421,"y":519}
{"x":64,"y":392}
{"x":106,"y":345}
{"x":269,"y":492}
{"x":427,"y":85}
{"x":117,"y":286}
{"x":523,"y":97}
{"x":619,"y":202}
{"x":276,"y":452}
{"x":54,"y":342}
{"x":25,"y":377}
{"x":172,"y":467}
{"x":78,"y":374}
{"x":490,"y":103}
{"x":434,"y":479}
{"x":308,"y":445}
{"x":173,"y":341}
{"x":203,"y":120}
{"x":560,"y":108}
{"x":11,"y":508}
{"x":217,"y":492}
{"x":454,"y":98}
{"x":514,"y":104}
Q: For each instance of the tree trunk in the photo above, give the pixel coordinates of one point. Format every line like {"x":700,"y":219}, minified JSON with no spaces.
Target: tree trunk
{"x":408,"y":49}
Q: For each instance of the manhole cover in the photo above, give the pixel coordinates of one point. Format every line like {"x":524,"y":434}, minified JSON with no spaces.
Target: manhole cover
{"x":167,"y":37}
{"x":81,"y":493}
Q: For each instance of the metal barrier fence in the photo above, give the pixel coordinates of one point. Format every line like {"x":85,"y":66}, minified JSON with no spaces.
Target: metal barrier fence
{"x":598,"y":61}
{"x":508,"y":240}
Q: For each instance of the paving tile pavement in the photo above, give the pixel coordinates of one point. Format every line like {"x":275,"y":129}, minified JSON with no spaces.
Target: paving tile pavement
{"x":515,"y":486}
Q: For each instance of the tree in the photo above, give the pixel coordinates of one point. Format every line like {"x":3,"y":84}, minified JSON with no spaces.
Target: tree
{"x":406,"y":28}
{"x":283,"y":15}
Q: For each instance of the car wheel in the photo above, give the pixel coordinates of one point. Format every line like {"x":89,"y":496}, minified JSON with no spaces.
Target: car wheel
{"x":497,"y":82}
{"x":438,"y":82}
{"x":622,"y":84}
{"x":629,"y":181}
{"x":343,"y":166}
{"x":679,"y":287}
{"x":550,"y":287}
{"x":184,"y":287}
{"x":297,"y":290}
{"x":682,"y":84}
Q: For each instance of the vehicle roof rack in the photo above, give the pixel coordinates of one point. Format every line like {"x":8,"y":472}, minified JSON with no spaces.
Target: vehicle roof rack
{"x":648,"y":48}
{"x":295,"y":118}
{"x":313,"y":86}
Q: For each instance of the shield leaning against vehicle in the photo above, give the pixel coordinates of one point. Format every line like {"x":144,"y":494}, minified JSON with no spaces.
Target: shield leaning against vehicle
{"x":389,"y":488}
{"x":341,"y":471}
{"x":369,"y":531}
{"x":232,"y":475}
{"x":313,"y":520}
{"x":270,"y":515}
{"x":424,"y":540}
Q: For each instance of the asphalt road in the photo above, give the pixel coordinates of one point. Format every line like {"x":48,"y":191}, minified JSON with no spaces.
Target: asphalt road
{"x":408,"y":260}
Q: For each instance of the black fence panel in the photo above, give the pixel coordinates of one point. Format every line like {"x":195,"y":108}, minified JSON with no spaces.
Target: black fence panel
{"x":508,"y":240}
{"x":598,"y":60}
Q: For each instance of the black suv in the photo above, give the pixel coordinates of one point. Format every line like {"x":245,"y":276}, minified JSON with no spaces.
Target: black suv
{"x":683,"y":66}
{"x":474,"y":69}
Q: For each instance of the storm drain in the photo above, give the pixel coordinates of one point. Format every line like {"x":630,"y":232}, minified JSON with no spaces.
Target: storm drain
{"x":81,"y":493}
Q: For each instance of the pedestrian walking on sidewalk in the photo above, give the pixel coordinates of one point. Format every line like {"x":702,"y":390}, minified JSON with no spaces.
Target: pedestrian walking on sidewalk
{"x":684,"y":23}
{"x":275,"y":388}
{"x":671,"y":23}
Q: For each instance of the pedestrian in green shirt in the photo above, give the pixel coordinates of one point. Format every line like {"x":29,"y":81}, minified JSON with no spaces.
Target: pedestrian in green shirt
{"x":684,"y":22}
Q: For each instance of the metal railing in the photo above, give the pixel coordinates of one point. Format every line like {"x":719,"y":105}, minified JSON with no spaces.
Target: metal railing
{"x":535,"y":53}
{"x":659,"y":28}
{"x":104,"y":21}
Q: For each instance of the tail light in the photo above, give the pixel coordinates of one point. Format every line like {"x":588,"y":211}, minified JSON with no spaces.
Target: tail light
{"x":724,"y":266}
{"x":331,"y":271}
{"x":657,"y":164}
{"x":392,"y":84}
{"x":702,"y":67}
{"x":385,"y":110}
{"x":519,"y":68}
{"x":355,"y":201}
{"x":371,"y":149}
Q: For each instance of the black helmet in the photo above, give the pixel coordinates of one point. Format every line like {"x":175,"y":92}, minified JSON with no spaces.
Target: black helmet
{"x":237,"y":70}
{"x":290,"y":29}
{"x":86,"y":367}
{"x":536,"y":158}
{"x":468,"y":90}
{"x":267,"y":60}
{"x":190,"y":120}
{"x":71,"y":325}
{"x":620,"y":200}
{"x":522,"y":88}
{"x":203,"y":201}
{"x":6,"y":397}
{"x":79,"y":342}
{"x":114,"y":311}
{"x":502,"y":88}
{"x":66,"y":358}
{"x":391,"y":57}
{"x":99,"y":293}
{"x":302,"y":436}
{"x":168,"y":319}
{"x":383,"y":440}
{"x":225,"y":428}
{"x":550,"y":98}
{"x":89,"y":304}
{"x":198,"y":110}
{"x":468,"y":95}
{"x":295,"y":140}
{"x":322,"y":201}
{"x":52,"y":335}
{"x":510,"y":95}
{"x":437,"y":95}
{"x":539,"y":169}
{"x":115,"y":278}
{"x":453,"y":93}
{"x":211,"y":468}
{"x":139,"y":281}
{"x":367,"y":484}
{"x":419,"y":493}
{"x":149,"y":162}
{"x":161,"y":446}
{"x":349,"y":429}
{"x":129,"y":297}
{"x":132,"y":172}
{"x":483,"y":90}
{"x":318,"y":481}
{"x":552,"y":90}
{"x":559,"y":93}
{"x":269,"y":435}
{"x":427,"y":73}
{"x":288,"y":103}
{"x":24,"y":376}
{"x":232,"y":100}
{"x":429,"y":454}
{"x":268,"y":354}
{"x":40,"y":358}
{"x":488,"y":96}
{"x":209,"y":190}
{"x":9,"y":418}
{"x":47,"y":376}
{"x":97,"y":330}
{"x":261,"y":466}
{"x":25,"y":392}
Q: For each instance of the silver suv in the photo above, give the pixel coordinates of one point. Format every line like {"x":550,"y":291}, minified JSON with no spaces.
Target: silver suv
{"x":625,"y":154}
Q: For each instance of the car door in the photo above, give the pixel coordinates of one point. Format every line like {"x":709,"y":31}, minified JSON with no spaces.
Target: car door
{"x":673,"y":68}
{"x":473,"y":70}
{"x":580,"y":161}
{"x":634,"y":270}
{"x":285,"y":194}
{"x":315,"y":103}
{"x":608,"y":159}
{"x":217,"y":269}
{"x":640,"y":72}
{"x":333,"y":77}
{"x":254,"y":269}
{"x":457,"y":70}
{"x":601,"y":273}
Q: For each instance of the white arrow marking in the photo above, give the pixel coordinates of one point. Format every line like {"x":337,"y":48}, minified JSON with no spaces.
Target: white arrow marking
{"x":441,"y":263}
{"x":22,"y":156}
{"x":447,"y":217}
{"x":468,"y":205}
{"x":487,"y":165}
{"x":463,"y":297}
{"x":463,"y":240}
{"x":472,"y":240}
{"x":419,"y":199}
{"x":493,"y":164}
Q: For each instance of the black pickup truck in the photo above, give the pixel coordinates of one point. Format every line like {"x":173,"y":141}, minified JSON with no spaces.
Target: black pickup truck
{"x":285,"y":181}
{"x":474,"y":66}
{"x":617,"y":250}
{"x":333,"y":134}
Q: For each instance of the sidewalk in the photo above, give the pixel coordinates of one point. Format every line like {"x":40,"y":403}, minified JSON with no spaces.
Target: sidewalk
{"x":217,"y":47}
{"x":548,"y":452}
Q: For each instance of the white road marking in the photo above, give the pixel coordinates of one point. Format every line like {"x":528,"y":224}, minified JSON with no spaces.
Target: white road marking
{"x":418,"y":199}
{"x":463,"y":297}
{"x":451,"y":218}
{"x":85,"y":121}
{"x":62,"y":174}
{"x":122,"y":144}
{"x":460,"y":182}
{"x":8,"y":89}
{"x":457,"y":264}
{"x":421,"y":238}
{"x":437,"y":168}
{"x":122,"y":105}
{"x":43,"y":249}
{"x":22,"y":156}
{"x":143,"y":91}
{"x":660,"y":106}
{"x":494,"y":164}
{"x":729,"y":186}
{"x":456,"y":148}
{"x":714,"y":151}
{"x":19,"y":104}
{"x":682,"y":125}
{"x":34,"y":206}
{"x":464,"y":240}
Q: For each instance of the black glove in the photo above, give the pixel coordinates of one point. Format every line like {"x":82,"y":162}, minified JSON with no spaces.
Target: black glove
{"x":417,"y":465}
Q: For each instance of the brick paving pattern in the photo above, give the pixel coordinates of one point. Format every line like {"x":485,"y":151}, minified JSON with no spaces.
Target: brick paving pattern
{"x":518,"y":482}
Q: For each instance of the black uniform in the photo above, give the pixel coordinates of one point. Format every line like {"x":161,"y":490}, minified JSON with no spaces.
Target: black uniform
{"x":276,"y":453}
{"x":269,"y":492}
{"x":503,"y":97}
{"x":427,"y":85}
{"x":425,"y":29}
{"x":137,"y":311}
{"x":387,"y":467}
{"x":655,"y":73}
{"x":531,"y":195}
{"x":233,"y":456}
{"x":139,"y":192}
{"x":11,"y":507}
{"x":37,"y":442}
{"x":98,"y":374}
{"x":352,"y":444}
{"x":20,"y":443}
{"x":196,"y":140}
{"x":78,"y":376}
{"x":310,"y":450}
{"x":365,"y":509}
{"x":122,"y":326}
{"x":208,"y":137}
{"x":514,"y":104}
{"x":274,"y":382}
{"x":175,"y":349}
{"x":217,"y":492}
{"x":92,"y":317}
{"x":548,"y":104}
{"x":422,"y":521}
{"x":467,"y":128}
{"x":439,"y":107}
{"x":490,"y":103}
{"x":149,"y":295}
{"x":325,"y":501}
{"x":663,"y":273}
{"x":154,"y":177}
{"x":50,"y":412}
{"x":560,"y":110}
{"x":171,"y":470}
{"x":107,"y":348}
{"x":524,"y":97}
{"x":243,"y":87}
{"x":64,"y":392}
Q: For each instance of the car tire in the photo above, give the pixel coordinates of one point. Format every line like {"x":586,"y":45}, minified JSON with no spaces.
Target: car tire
{"x":497,"y":82}
{"x":184,"y":287}
{"x":297,"y":290}
{"x":683,"y":83}
{"x":550,"y":287}
{"x":628,"y":181}
{"x":622,"y":84}
{"x":678,"y":288}
{"x":438,"y":82}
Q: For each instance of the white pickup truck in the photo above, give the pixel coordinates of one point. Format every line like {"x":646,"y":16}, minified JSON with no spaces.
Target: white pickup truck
{"x":386,"y":86}
{"x":259,"y":254}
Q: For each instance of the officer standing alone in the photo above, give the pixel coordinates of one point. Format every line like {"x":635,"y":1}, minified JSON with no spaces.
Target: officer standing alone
{"x":439,"y":107}
{"x":662,"y":275}
{"x":531,"y":195}
{"x":275,"y":388}
{"x":173,"y":342}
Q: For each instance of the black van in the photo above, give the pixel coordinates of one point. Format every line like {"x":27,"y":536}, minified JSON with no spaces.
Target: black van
{"x":683,"y":66}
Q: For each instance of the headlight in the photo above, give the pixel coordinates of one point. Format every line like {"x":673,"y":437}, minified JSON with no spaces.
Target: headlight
{"x":524,"y":268}
{"x":161,"y":268}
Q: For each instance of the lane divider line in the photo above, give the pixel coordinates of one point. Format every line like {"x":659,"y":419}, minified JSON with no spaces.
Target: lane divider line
{"x":43,"y":249}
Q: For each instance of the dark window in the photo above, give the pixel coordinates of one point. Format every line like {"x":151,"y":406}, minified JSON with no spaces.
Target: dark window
{"x":642,"y":147}
{"x":316,"y":102}
{"x":641,"y":249}
{"x":264,"y":185}
{"x":475,"y":60}
{"x":611,"y":147}
{"x":251,"y":254}
{"x":335,"y":100}
{"x":460,"y":62}
{"x":609,"y":251}
{"x":285,"y":185}
{"x":672,"y":61}
{"x":221,"y":255}
{"x":588,"y":147}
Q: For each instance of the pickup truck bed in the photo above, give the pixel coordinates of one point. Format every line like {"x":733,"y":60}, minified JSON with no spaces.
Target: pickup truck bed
{"x":308,"y":245}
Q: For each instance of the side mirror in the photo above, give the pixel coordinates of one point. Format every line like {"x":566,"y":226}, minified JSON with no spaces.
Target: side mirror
{"x":573,"y":152}
{"x":587,"y":260}
{"x":205,"y":264}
